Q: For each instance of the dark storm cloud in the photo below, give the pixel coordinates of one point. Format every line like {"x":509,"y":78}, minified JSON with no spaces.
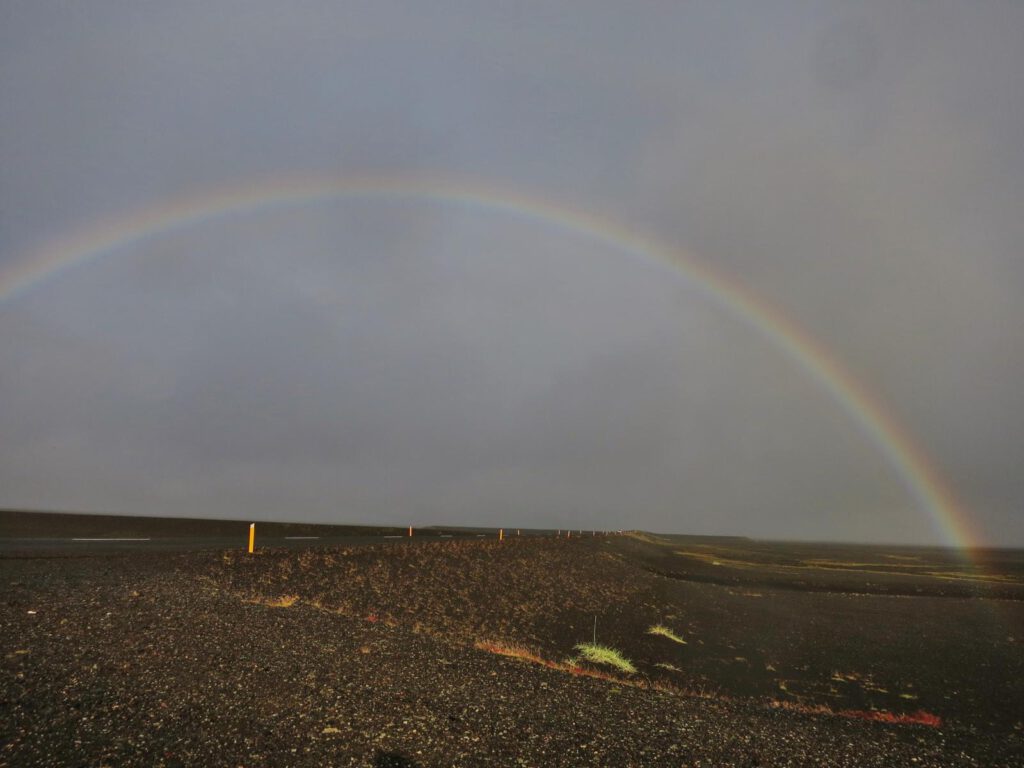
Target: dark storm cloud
{"x":858,"y":166}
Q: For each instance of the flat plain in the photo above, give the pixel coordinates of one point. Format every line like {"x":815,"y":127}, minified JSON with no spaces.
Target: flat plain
{"x":467,"y":651}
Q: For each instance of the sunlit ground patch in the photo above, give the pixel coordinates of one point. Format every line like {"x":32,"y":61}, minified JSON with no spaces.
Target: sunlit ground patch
{"x":284,"y":601}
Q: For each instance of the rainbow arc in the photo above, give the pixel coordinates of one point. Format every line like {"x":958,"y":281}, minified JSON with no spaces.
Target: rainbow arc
{"x":866,"y":411}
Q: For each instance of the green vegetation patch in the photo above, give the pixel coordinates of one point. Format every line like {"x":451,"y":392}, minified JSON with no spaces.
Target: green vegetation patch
{"x":602,"y":654}
{"x":663,"y":631}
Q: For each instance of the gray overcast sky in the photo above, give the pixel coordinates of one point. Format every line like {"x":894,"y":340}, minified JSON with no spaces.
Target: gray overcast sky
{"x":858,"y":165}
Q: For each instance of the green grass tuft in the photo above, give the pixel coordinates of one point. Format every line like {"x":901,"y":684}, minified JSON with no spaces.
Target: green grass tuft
{"x":664,"y":631}
{"x":602,"y":654}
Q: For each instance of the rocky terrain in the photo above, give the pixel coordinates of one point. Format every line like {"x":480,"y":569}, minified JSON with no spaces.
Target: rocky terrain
{"x":464,"y":653}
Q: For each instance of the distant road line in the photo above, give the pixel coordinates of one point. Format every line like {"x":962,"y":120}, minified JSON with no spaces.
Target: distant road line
{"x":111,"y":539}
{"x":181,"y":541}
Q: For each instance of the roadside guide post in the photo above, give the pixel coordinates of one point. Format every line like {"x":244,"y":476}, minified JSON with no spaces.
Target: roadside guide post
{"x":252,"y":536}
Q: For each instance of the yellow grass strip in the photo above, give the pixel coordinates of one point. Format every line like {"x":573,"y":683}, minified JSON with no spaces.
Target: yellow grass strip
{"x":663,"y":631}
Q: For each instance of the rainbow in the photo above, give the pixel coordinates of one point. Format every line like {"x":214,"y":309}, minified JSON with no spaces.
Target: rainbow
{"x":867,"y":412}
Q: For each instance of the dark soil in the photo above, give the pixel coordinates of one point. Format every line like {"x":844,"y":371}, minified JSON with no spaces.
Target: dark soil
{"x":183,"y":659}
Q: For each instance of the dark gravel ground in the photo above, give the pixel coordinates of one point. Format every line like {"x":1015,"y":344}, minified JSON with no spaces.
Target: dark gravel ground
{"x":961,"y":659}
{"x":159,"y":660}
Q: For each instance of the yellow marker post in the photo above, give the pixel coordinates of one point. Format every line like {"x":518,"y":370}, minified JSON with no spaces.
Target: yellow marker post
{"x":501,"y":534}
{"x":410,"y":530}
{"x":252,"y":536}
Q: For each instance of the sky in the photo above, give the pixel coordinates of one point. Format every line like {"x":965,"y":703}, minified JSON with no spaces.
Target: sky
{"x":856,"y":167}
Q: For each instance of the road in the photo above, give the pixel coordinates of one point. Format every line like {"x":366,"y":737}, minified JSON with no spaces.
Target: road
{"x":37,"y":535}
{"x":57,"y":545}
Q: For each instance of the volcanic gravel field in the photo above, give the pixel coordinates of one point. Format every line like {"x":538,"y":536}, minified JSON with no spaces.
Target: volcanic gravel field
{"x":462,"y":653}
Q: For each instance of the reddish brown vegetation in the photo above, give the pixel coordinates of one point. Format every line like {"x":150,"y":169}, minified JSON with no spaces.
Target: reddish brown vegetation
{"x":920,"y":717}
